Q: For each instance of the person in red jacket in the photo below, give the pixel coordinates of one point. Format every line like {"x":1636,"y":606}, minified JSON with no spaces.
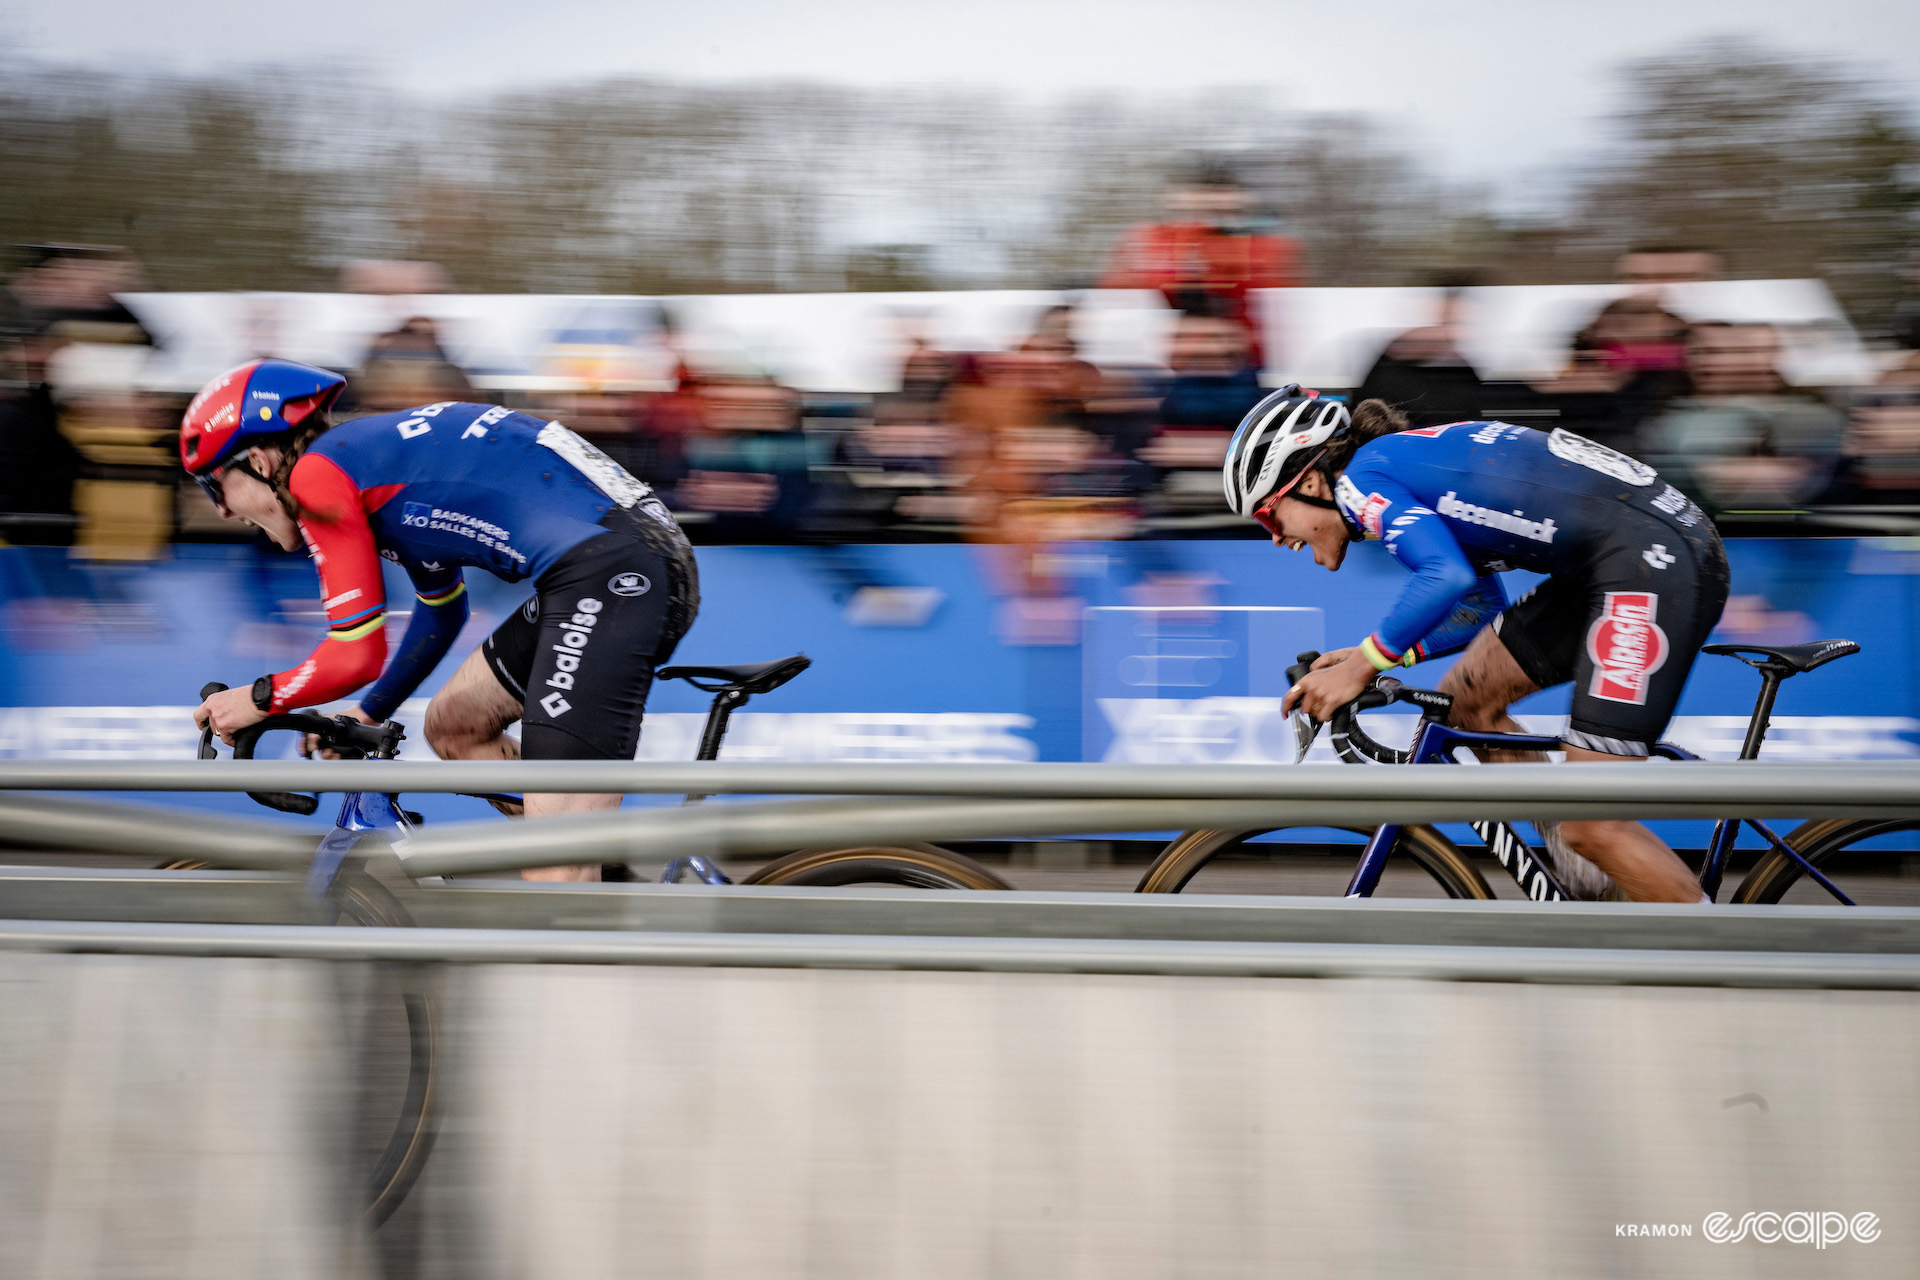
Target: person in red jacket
{"x":1209,"y":255}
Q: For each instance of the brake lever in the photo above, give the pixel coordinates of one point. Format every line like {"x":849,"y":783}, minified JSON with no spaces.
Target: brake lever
{"x":206,"y":734}
{"x":1305,"y":727}
{"x":1305,"y":730}
{"x":1384,"y":691}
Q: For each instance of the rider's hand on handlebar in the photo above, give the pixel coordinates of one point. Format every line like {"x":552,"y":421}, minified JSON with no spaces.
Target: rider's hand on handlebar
{"x":1336,"y":679}
{"x":310,"y":742}
{"x":228,"y":711}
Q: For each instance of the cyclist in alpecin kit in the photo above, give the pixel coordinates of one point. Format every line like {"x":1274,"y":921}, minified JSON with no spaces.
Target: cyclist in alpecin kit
{"x":1637,"y":580}
{"x":435,"y":489}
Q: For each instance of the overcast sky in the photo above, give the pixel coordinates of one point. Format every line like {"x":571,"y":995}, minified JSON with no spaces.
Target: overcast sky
{"x":1486,"y":89}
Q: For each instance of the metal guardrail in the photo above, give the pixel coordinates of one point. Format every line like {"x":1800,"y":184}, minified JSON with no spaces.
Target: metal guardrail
{"x":909,"y":802}
{"x":780,"y":826}
{"x":1011,"y":955}
{"x":255,"y":898}
{"x":1826,"y":785}
{"x":149,"y":831}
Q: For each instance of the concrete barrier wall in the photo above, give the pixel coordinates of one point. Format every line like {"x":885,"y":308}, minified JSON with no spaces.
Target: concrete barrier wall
{"x":174,"y":1117}
{"x":768,"y":1123}
{"x":183,"y":1117}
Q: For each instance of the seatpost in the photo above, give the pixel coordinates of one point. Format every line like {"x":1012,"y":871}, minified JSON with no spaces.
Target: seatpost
{"x":723,"y":705}
{"x":1762,"y":708}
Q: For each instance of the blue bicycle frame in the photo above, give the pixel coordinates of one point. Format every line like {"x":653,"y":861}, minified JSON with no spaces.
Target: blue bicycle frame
{"x":360,"y":812}
{"x":364,"y":811}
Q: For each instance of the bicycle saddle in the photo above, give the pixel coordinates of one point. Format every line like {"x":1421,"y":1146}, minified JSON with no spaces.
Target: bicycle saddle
{"x":748,"y":677}
{"x":1789,"y":659}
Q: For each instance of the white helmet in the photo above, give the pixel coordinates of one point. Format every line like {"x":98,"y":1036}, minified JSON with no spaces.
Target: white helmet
{"x":1290,"y":424}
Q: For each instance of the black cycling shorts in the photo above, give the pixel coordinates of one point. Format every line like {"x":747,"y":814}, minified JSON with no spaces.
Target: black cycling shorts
{"x":581,"y":652}
{"x":1625,"y":628}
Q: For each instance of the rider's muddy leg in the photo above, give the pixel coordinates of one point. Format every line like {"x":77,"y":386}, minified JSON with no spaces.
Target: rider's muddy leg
{"x":1639,"y":861}
{"x":1483,"y":684}
{"x":468,"y":719}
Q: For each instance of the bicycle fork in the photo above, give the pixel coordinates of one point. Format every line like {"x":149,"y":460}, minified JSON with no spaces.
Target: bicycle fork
{"x":360,"y":812}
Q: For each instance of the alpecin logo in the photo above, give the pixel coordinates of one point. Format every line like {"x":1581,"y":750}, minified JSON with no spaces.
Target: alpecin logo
{"x":1804,"y":1227}
{"x":1627,"y":646}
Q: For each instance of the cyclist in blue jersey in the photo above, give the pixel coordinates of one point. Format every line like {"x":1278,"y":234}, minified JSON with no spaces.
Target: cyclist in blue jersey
{"x":434,"y":490}
{"x":1637,"y":579}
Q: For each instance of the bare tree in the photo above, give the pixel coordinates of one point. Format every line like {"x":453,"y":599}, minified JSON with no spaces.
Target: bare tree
{"x":1786,"y":165}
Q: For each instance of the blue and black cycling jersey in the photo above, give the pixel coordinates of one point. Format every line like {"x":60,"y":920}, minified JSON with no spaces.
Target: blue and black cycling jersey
{"x":475,"y":484}
{"x":435,"y":489}
{"x":1457,"y":504}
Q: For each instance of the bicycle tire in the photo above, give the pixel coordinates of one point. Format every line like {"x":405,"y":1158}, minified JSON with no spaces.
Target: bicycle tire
{"x":1820,"y":841}
{"x":366,"y":902}
{"x":1438,"y":856}
{"x":913,"y":866}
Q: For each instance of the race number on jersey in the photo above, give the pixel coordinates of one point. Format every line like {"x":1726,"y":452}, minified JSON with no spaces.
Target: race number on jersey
{"x":1568,"y":447}
{"x":608,"y":476}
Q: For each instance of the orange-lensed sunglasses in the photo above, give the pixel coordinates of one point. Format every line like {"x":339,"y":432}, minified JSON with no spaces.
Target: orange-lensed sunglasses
{"x":1266,"y":512}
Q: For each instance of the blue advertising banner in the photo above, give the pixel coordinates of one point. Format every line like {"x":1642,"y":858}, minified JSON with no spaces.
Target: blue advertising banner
{"x":1142,"y":667}
{"x":1169,"y":651}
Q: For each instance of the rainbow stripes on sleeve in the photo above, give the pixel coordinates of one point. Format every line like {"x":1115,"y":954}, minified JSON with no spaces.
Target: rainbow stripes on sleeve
{"x":359,"y":625}
{"x":367,"y":621}
{"x":443,"y":598}
{"x":1385,"y":659}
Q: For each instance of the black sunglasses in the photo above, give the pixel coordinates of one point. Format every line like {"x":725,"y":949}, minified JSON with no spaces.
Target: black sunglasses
{"x":210,"y":482}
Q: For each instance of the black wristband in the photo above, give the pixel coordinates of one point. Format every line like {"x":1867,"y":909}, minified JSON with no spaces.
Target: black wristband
{"x":263,"y":693}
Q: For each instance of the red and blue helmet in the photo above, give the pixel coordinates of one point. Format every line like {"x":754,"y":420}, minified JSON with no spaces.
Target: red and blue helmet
{"x":262,"y":398}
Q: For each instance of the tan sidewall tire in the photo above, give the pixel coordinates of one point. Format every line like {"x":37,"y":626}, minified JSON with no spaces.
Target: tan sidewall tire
{"x":1431,"y":851}
{"x":805,"y":866}
{"x":1774,"y":874}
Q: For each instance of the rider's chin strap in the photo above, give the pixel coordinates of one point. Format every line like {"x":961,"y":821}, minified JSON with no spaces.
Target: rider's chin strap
{"x":1313,"y":468}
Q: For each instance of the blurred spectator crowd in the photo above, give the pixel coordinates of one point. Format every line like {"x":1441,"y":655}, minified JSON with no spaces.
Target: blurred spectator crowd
{"x":1020,"y":449}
